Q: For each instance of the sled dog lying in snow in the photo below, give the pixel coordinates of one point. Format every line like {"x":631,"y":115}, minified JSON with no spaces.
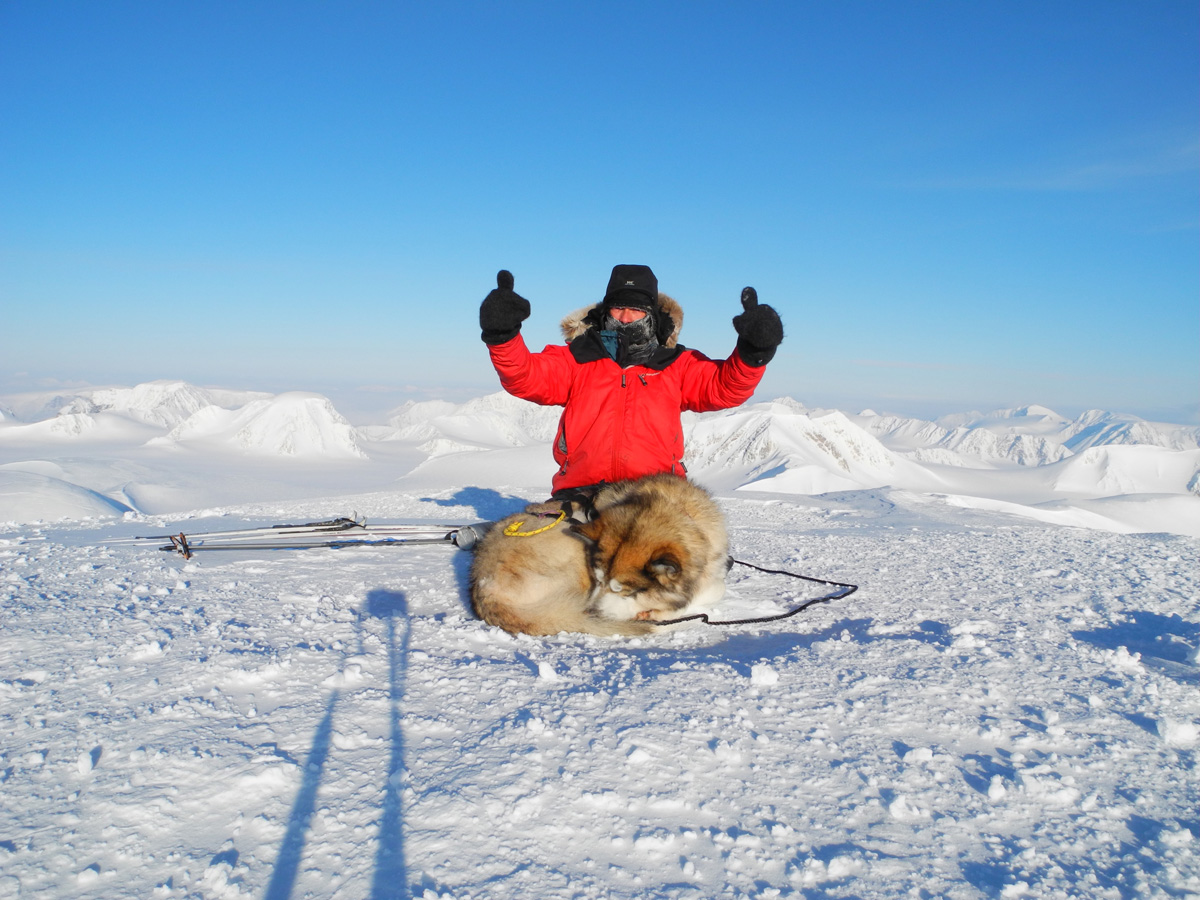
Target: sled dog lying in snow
{"x":651,"y":549}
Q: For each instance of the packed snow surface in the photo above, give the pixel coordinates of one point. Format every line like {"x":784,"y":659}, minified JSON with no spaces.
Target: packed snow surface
{"x":1006,"y":708}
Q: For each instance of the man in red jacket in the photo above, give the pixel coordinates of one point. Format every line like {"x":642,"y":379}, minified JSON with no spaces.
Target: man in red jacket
{"x":623,"y":377}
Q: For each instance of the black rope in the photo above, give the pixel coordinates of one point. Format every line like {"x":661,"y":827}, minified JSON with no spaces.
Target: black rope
{"x":836,"y":595}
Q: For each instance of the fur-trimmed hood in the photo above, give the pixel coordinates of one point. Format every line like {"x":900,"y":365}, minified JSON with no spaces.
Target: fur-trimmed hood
{"x":577,"y":323}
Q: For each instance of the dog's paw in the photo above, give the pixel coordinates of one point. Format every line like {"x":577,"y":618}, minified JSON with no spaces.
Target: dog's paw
{"x":621,"y":607}
{"x":658,"y":615}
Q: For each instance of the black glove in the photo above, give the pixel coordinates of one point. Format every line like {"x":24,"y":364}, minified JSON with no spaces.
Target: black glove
{"x":759,"y":330}
{"x":502,"y":311}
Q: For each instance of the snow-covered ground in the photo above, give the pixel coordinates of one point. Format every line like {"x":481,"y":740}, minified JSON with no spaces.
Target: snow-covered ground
{"x":1007,"y":707}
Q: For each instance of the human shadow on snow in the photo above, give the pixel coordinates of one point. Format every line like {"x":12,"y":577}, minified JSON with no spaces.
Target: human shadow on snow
{"x":291,"y":850}
{"x":487,"y":503}
{"x":461,"y":564}
{"x":391,"y":874}
{"x":390,"y":878}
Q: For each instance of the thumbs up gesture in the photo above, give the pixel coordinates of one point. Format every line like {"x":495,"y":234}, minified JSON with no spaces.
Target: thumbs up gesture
{"x":502,"y":311}
{"x":759,"y":329}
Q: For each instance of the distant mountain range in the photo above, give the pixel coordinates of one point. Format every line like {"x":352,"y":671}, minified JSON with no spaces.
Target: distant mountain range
{"x":174,"y":413}
{"x":1030,"y":435}
{"x":779,"y":445}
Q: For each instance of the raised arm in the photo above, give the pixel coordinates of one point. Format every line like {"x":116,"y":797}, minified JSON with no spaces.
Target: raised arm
{"x":544,"y":377}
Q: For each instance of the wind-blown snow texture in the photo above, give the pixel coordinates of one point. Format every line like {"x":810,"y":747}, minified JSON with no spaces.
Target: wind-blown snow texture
{"x":1006,"y":707}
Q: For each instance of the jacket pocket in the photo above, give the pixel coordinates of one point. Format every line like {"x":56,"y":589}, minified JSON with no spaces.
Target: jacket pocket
{"x":560,"y":449}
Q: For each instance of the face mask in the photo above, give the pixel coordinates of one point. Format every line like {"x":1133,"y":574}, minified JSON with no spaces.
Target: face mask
{"x":629,"y":343}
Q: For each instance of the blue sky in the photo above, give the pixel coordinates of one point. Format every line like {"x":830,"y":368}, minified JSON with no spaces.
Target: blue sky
{"x":952,"y":205}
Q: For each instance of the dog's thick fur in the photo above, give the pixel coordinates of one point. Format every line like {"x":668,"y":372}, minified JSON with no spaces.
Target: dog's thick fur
{"x":653,"y":549}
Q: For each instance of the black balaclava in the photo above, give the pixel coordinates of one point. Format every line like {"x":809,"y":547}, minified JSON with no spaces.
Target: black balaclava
{"x":631,"y":343}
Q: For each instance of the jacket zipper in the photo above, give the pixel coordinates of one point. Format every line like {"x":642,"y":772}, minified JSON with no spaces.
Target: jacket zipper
{"x":616,"y":451}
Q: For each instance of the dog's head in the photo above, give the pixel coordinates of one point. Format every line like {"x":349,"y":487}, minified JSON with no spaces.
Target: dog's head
{"x":630,"y":556}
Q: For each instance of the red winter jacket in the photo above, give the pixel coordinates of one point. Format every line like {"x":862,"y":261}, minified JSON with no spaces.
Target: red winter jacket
{"x":620,"y":423}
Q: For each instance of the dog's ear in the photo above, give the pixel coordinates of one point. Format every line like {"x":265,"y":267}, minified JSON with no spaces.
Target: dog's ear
{"x":664,"y":567}
{"x":588,"y":532}
{"x":578,"y":511}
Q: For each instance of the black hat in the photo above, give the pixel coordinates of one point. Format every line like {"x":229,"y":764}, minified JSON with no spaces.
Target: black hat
{"x":633,"y":286}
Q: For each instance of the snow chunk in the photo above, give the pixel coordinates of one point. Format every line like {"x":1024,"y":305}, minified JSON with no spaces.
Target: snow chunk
{"x":840,"y":867}
{"x":637,"y":756}
{"x":349,"y":676}
{"x":919,"y":755}
{"x":1019,"y":889}
{"x":1179,"y":734}
{"x":904,"y":811}
{"x":1121,"y":660}
{"x":87,"y":761}
{"x":763,"y":675}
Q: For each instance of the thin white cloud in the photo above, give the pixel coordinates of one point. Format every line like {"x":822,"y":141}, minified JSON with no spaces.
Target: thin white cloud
{"x":1105,"y":170}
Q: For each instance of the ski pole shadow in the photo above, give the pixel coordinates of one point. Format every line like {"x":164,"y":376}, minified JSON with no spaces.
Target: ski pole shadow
{"x":390,"y":881}
{"x":291,"y":851}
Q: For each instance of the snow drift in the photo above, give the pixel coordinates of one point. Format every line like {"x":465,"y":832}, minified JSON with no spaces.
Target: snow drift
{"x":32,"y":497}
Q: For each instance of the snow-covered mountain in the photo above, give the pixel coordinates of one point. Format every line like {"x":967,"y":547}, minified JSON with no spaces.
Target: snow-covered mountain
{"x":779,"y":446}
{"x":1026,"y":436}
{"x":164,"y":403}
{"x":497,"y":420}
{"x":168,"y":446}
{"x":961,"y":445}
{"x":72,"y":427}
{"x":1108,"y":471}
{"x":1033,"y":420}
{"x":1097,"y":428}
{"x":296,"y":424}
{"x":174,"y":413}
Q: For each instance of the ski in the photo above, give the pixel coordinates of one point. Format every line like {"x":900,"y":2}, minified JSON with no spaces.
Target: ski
{"x":342,"y":523}
{"x":187,"y":546}
{"x":339,"y":533}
